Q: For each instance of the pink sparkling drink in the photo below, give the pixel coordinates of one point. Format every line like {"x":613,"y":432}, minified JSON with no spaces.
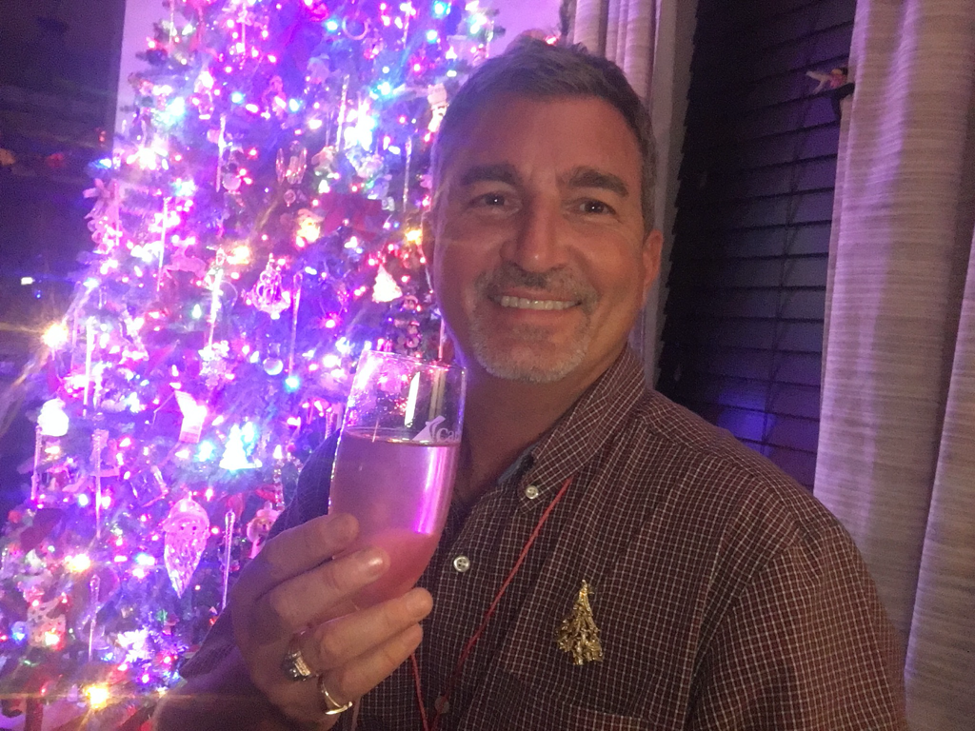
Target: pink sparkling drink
{"x":395,"y":463}
{"x":395,"y":490}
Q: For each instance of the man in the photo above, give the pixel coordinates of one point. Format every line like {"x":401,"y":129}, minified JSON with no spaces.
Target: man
{"x":610,"y":561}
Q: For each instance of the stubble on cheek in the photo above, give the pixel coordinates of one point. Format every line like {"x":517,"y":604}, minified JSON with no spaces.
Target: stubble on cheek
{"x":532,"y":354}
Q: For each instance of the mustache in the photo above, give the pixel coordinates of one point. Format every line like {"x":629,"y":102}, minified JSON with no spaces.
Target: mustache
{"x":558,"y":284}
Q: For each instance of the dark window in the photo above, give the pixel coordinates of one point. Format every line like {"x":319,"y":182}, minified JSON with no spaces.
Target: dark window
{"x":745,"y":312}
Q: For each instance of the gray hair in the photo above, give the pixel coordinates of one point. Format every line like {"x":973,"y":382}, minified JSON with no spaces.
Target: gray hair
{"x":534,"y":68}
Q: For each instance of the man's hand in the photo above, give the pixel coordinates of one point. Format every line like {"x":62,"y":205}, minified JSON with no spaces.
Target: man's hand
{"x":294,"y":589}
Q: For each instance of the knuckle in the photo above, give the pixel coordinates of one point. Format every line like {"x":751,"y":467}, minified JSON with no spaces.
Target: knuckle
{"x":269,"y":559}
{"x":338,"y":579}
{"x":280,"y":607}
{"x":390,"y":654}
{"x":342,"y":684}
{"x":396,"y":651}
{"x":395,"y":617}
{"x":330,"y":648}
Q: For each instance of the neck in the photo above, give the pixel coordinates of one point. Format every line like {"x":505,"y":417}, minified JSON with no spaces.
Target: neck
{"x":502,"y":418}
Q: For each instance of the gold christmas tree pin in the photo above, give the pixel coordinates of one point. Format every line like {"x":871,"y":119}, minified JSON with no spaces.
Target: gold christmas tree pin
{"x":578,"y":633}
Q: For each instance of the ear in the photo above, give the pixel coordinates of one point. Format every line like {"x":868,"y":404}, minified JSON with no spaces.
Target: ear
{"x":651,"y":258}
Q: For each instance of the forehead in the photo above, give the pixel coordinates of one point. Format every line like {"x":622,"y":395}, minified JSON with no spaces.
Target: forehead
{"x":544,"y":137}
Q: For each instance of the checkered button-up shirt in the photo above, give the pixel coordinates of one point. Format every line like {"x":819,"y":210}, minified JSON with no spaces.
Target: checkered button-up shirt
{"x":726,"y":597}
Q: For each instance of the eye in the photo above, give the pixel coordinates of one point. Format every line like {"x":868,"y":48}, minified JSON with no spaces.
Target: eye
{"x":490,"y":200}
{"x":595,"y":207}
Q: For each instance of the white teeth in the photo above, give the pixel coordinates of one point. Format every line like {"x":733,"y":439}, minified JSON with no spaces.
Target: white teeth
{"x":522,"y":303}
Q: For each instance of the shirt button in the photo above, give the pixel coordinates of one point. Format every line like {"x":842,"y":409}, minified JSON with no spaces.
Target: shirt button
{"x":532,"y":492}
{"x":461,"y":564}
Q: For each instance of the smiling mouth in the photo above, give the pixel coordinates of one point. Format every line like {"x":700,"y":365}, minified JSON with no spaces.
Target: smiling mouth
{"x":521,"y":303}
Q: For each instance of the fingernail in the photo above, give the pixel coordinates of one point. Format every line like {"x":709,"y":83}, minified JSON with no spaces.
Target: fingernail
{"x":370,"y":560}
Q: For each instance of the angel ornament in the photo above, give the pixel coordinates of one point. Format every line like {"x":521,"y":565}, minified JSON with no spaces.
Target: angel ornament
{"x":267,"y":294}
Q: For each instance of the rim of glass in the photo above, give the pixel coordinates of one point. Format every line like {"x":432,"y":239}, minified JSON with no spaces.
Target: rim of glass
{"x":420,"y":362}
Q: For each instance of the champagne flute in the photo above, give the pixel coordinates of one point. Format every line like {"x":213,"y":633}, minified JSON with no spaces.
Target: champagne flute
{"x":395,"y":463}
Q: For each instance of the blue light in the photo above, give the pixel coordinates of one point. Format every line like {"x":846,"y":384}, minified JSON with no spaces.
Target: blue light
{"x":432,"y":36}
{"x":294,"y":105}
{"x":292,"y":383}
{"x":237,"y":97}
{"x":18,"y":632}
{"x":384,"y":88}
{"x":332,"y":25}
{"x":144,"y":559}
{"x":441,"y":9}
{"x":205,"y":451}
{"x":105,"y":163}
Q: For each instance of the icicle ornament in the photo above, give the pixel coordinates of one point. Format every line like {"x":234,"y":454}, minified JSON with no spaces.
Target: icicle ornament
{"x":187,"y":527}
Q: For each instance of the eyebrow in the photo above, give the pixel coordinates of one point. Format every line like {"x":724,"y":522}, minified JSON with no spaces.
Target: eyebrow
{"x":498,"y":173}
{"x":586,"y":177}
{"x":579,"y":177}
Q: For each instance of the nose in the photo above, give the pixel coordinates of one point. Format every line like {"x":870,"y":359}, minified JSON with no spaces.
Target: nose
{"x":536,"y":243}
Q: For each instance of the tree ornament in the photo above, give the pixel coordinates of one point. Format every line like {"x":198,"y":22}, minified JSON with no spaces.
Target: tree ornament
{"x":52,"y":418}
{"x":259,"y":527}
{"x":46,"y":623}
{"x":437,"y":97}
{"x":230,"y":517}
{"x":578,"y":633}
{"x":324,"y":161}
{"x":291,"y":167}
{"x":385,"y":289}
{"x":103,"y":219}
{"x":235,"y":455}
{"x":356,"y":26}
{"x":273,"y":363}
{"x":274,"y":97}
{"x":194,"y":416}
{"x":268,"y":295}
{"x":187,"y":528}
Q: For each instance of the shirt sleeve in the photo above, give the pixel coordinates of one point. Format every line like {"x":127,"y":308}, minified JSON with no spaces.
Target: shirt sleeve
{"x":311,"y":500}
{"x":806,"y":646}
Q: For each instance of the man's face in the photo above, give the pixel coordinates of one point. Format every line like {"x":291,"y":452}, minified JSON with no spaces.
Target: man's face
{"x":537,"y":248}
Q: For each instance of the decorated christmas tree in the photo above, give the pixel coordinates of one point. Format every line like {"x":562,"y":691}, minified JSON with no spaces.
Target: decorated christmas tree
{"x":256,"y":228}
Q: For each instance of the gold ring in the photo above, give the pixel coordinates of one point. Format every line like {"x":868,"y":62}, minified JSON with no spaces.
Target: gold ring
{"x":332,"y":708}
{"x":294,"y":665}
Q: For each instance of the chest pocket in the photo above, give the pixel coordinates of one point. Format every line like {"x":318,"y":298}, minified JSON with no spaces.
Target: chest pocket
{"x":506,"y":701}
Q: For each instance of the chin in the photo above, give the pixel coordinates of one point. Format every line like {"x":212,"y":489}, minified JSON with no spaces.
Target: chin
{"x":534,"y":362}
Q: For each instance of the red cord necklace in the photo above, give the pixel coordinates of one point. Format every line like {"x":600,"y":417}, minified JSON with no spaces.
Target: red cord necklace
{"x":442,"y":701}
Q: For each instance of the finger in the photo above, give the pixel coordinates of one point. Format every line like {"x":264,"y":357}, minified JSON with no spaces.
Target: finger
{"x":303,"y":702}
{"x":335,"y":643}
{"x":319,"y":594}
{"x":359,"y":677}
{"x":295,"y":551}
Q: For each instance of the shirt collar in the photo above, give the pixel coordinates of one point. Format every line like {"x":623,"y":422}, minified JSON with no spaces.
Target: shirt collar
{"x":585,"y":427}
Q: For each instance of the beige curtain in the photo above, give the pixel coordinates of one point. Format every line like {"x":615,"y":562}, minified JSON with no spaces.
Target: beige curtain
{"x":622,"y":31}
{"x":896,"y":449}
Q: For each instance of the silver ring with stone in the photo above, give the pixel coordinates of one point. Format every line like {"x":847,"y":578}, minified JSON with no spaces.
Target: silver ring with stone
{"x":294,"y":665}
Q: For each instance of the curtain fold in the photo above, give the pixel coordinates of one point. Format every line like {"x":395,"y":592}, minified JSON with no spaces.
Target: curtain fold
{"x":622,"y":31}
{"x":941,"y":639}
{"x":896,"y":446}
